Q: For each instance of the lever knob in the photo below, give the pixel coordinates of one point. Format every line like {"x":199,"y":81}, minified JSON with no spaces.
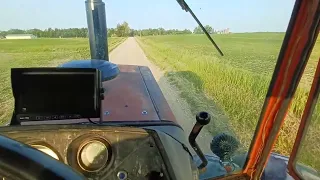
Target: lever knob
{"x":203,"y":118}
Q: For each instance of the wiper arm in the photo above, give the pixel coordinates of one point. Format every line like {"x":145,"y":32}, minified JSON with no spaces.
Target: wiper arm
{"x":185,"y":7}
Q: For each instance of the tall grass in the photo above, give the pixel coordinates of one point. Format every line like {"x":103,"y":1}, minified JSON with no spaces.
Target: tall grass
{"x":37,"y":53}
{"x":238,"y":81}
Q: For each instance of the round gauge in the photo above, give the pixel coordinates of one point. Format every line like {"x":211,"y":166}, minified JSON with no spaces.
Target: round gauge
{"x":46,"y":150}
{"x":93,"y":155}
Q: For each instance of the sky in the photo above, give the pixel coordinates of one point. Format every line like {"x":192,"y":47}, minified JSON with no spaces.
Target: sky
{"x":238,"y":15}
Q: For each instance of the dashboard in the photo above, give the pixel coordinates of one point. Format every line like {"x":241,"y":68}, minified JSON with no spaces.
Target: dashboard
{"x":98,"y":152}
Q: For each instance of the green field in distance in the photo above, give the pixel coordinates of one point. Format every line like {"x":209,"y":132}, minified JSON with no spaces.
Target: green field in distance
{"x":38,"y":53}
{"x":233,"y":87}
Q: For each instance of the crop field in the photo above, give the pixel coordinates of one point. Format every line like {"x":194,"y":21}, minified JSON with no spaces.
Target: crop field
{"x":233,"y":87}
{"x":37,"y":53}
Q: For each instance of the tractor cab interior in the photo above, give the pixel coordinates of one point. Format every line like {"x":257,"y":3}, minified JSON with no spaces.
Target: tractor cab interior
{"x":93,"y":119}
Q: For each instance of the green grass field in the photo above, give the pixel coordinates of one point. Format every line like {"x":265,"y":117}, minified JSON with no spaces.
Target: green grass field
{"x":233,"y":87}
{"x":37,"y":53}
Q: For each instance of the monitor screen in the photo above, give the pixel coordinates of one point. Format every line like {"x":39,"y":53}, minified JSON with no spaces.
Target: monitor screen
{"x":56,"y":92}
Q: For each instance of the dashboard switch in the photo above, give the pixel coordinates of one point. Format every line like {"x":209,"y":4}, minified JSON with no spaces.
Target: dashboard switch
{"x":122,"y":175}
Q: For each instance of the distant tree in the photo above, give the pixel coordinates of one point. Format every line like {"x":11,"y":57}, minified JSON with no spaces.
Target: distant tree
{"x":50,"y":32}
{"x":186,"y":31}
{"x":111,"y":32}
{"x":3,"y":33}
{"x":36,"y":32}
{"x":161,"y":31}
{"x":16,"y":31}
{"x":123,"y":30}
{"x":197,"y":30}
{"x":208,"y":28}
{"x":84,"y":32}
{"x":131,"y":34}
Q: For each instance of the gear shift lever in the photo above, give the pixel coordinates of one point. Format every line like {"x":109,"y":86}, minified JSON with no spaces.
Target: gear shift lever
{"x":203,"y":118}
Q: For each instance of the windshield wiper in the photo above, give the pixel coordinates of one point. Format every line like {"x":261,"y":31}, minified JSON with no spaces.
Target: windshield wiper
{"x":185,"y":7}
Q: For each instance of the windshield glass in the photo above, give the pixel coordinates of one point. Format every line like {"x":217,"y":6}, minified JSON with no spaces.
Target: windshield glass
{"x":307,"y":161}
{"x":309,"y":150}
{"x":191,"y":73}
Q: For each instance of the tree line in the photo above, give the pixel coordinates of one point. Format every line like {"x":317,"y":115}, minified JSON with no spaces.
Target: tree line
{"x":122,"y":30}
{"x":50,"y":32}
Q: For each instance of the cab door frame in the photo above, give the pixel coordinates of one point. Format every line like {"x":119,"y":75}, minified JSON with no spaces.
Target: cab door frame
{"x":298,"y":43}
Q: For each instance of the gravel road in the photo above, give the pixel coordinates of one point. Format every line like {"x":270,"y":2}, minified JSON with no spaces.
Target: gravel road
{"x":129,"y":52}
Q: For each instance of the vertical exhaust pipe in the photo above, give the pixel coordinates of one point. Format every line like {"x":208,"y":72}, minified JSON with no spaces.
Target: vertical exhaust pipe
{"x":97,"y":28}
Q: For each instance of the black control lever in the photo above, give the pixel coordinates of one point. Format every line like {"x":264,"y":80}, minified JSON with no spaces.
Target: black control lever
{"x":203,"y":118}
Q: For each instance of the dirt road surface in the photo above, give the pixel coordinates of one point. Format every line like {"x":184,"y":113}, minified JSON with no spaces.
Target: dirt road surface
{"x":129,"y":52}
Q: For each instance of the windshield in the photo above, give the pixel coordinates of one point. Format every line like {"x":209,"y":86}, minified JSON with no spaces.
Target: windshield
{"x":307,"y":157}
{"x":192,"y":74}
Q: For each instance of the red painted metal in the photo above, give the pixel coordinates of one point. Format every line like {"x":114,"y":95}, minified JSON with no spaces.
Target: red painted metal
{"x":127,"y":98}
{"x":159,"y":102}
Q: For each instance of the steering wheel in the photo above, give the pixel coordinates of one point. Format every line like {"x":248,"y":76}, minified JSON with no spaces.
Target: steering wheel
{"x":20,"y":161}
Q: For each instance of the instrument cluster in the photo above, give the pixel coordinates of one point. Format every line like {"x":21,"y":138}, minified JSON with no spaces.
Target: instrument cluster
{"x":97,"y":152}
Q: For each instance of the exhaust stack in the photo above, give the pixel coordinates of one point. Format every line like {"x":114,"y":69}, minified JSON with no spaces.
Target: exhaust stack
{"x":97,"y":28}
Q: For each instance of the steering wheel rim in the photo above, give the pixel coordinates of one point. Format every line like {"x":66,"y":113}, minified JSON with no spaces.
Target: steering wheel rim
{"x":20,"y":161}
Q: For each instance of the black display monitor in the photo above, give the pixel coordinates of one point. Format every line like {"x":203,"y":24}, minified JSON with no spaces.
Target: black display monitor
{"x":56,"y":93}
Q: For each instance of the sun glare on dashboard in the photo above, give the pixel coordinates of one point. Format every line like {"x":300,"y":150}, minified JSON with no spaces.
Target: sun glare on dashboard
{"x":46,"y":150}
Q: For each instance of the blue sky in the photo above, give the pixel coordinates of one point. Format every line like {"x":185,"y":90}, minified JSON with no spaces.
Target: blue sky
{"x":238,"y":15}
